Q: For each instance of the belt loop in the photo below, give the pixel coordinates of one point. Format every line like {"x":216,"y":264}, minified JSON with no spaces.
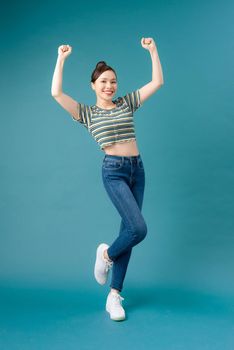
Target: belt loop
{"x":122,"y":160}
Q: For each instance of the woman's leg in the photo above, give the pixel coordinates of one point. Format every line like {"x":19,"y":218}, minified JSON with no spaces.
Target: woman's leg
{"x":135,"y":228}
{"x":120,"y":265}
{"x":128,"y":199}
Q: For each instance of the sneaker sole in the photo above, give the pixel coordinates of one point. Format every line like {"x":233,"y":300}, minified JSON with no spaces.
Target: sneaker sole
{"x":97,"y":256}
{"x":121,"y":318}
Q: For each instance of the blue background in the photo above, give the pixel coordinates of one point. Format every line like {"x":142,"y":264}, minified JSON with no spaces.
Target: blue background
{"x":54,"y":209}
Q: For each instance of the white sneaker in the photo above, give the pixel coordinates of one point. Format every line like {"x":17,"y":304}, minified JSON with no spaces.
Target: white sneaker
{"x":102,"y":265}
{"x":114,"y":306}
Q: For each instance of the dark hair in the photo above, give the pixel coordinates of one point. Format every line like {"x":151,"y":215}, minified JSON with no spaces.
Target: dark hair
{"x":100,"y":68}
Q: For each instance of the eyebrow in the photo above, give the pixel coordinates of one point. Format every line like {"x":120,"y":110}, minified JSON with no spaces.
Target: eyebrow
{"x":109,"y":79}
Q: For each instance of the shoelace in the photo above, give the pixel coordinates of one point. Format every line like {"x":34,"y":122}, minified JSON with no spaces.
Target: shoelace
{"x":117,"y":299}
{"x":109,"y":265}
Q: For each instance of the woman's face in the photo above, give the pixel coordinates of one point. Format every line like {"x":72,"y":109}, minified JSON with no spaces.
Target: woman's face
{"x":106,"y":85}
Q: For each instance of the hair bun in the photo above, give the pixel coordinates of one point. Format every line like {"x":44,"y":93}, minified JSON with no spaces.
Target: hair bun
{"x":100,"y":64}
{"x":100,"y":68}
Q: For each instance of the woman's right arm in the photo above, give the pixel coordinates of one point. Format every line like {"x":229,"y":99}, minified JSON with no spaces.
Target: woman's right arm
{"x":68,"y":103}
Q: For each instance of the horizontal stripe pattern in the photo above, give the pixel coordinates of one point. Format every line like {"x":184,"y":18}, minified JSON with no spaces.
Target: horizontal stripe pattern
{"x":111,"y":126}
{"x":133,"y":100}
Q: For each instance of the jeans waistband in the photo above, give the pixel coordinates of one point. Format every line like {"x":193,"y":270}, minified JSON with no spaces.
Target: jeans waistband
{"x":123,"y":158}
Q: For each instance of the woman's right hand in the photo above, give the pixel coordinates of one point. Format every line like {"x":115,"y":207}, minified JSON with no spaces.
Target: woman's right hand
{"x":64,"y":51}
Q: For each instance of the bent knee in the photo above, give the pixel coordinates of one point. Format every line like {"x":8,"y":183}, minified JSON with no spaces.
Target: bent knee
{"x":140,"y":232}
{"x":143,"y":231}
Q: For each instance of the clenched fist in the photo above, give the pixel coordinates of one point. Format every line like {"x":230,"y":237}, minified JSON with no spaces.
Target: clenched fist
{"x":148,"y":44}
{"x":64,"y":51}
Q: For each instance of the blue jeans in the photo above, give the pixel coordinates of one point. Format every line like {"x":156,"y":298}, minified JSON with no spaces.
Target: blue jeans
{"x":124,"y":180}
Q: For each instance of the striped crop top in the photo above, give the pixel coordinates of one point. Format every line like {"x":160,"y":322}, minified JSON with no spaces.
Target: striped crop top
{"x":109,"y":126}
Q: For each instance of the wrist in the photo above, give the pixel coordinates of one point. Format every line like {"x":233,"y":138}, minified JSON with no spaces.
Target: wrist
{"x":154,"y":51}
{"x":61,"y":59}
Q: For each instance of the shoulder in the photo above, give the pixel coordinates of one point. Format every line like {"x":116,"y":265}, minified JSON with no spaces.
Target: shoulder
{"x":119,"y":101}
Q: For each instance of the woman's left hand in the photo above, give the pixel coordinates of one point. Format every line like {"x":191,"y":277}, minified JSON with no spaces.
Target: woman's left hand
{"x":148,"y":44}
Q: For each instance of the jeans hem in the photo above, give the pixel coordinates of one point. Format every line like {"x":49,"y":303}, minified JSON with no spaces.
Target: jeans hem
{"x":119,"y":289}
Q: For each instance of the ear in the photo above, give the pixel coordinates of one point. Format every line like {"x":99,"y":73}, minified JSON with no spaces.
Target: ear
{"x":92,"y":86}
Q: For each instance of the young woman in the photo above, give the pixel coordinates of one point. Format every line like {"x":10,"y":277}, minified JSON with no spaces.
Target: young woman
{"x":110,"y":122}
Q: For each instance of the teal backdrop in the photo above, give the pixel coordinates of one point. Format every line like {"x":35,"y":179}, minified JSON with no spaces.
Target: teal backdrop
{"x":54,"y":208}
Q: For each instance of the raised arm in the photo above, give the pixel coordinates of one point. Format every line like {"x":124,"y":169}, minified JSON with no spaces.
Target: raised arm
{"x":157,"y":76}
{"x":68,"y":103}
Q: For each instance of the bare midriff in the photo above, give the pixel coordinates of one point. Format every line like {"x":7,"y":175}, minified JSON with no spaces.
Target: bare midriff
{"x":127,"y":148}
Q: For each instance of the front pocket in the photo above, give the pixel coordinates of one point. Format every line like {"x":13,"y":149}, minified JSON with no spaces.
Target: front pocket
{"x":140,"y":164}
{"x":112,"y":165}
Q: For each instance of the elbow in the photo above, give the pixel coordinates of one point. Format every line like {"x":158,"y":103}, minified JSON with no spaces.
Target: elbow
{"x":158,"y":84}
{"x":55,"y":94}
{"x":161,"y":83}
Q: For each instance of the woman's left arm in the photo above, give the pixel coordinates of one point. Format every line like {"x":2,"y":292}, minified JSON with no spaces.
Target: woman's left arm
{"x":157,"y":76}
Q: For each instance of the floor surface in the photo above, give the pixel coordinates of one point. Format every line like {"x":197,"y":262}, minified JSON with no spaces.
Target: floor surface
{"x":157,"y":318}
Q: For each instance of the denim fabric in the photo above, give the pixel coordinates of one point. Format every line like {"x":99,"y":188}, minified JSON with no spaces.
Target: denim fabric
{"x":124,"y":180}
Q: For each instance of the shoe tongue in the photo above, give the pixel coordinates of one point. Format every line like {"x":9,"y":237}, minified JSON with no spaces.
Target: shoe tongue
{"x":117,"y":295}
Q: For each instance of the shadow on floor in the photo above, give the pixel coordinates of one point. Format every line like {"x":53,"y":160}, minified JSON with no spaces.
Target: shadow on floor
{"x":87,"y":301}
{"x":179,"y":299}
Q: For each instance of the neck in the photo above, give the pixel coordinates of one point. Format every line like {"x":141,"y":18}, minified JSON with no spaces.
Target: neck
{"x":105,"y":104}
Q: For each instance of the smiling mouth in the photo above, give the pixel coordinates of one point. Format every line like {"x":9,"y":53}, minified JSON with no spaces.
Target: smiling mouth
{"x":108,"y":92}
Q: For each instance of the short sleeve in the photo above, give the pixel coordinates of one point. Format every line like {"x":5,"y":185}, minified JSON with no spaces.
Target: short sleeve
{"x":133,"y":100}
{"x":84,"y":113}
